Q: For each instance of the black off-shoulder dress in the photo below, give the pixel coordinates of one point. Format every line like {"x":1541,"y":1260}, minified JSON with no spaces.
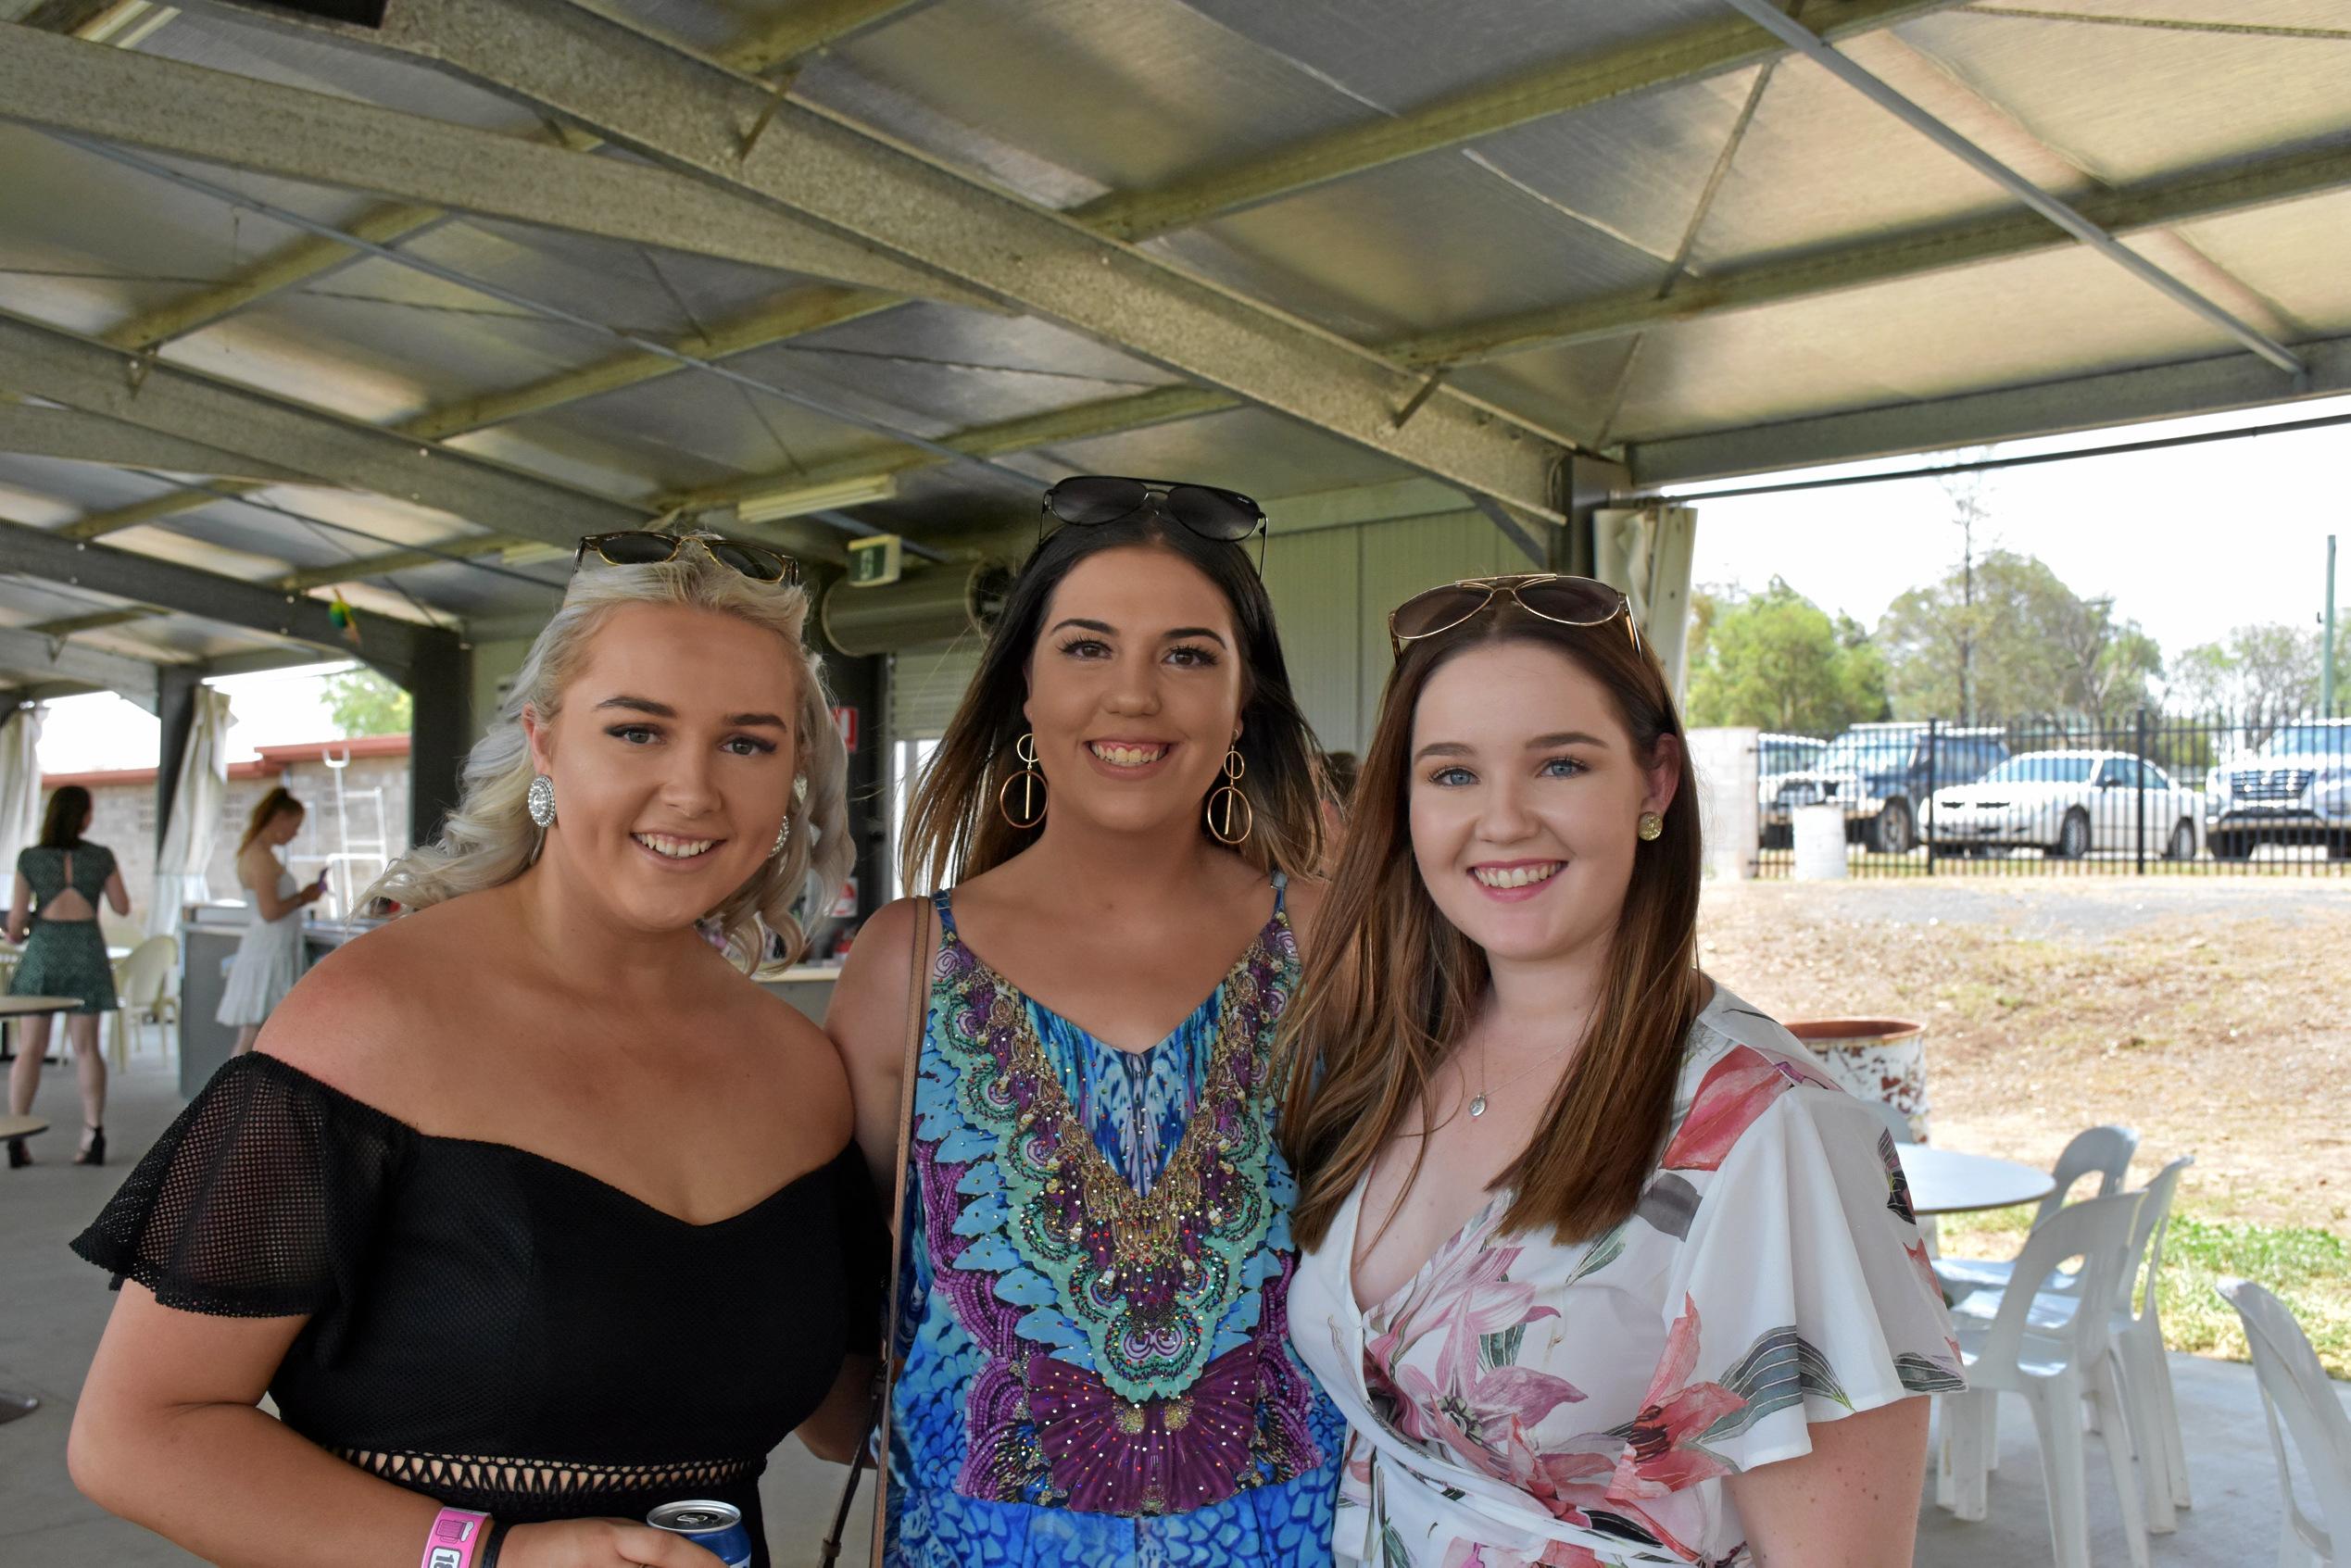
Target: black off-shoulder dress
{"x":490,"y":1327}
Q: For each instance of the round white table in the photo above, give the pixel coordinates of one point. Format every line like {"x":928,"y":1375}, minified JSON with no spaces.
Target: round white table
{"x":1944,"y":1181}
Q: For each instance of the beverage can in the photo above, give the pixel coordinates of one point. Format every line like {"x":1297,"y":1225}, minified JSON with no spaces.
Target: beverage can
{"x":715,"y":1527}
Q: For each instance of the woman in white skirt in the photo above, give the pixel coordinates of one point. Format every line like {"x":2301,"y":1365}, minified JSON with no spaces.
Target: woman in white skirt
{"x":270,"y":956}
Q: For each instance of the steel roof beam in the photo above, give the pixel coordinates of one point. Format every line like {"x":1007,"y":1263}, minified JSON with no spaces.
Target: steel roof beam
{"x":32,"y":653}
{"x":667,"y":102}
{"x":215,"y":117}
{"x":1765,"y":14}
{"x":78,"y":437}
{"x":311,"y":256}
{"x":1081,"y":422}
{"x":2178,"y":198}
{"x":144,"y":580}
{"x":1686,"y":55}
{"x":83,"y":373}
{"x":2157,"y":392}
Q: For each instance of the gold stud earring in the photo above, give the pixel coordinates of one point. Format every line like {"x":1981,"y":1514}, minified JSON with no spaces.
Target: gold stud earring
{"x":1651,"y":826}
{"x":1032,"y":784}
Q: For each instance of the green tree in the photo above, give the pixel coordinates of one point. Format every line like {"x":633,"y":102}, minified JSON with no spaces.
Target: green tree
{"x":1777,"y":662}
{"x":2013,"y":642}
{"x":2258,"y":675}
{"x":364,"y":703}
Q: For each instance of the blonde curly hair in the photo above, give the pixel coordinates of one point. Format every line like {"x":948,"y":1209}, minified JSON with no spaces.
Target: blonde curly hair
{"x":489,"y":838}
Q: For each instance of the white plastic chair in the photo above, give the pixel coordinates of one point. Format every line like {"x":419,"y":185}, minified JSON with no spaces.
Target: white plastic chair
{"x":142,"y":985}
{"x":2104,"y":1152}
{"x":2294,"y":1385}
{"x":2146,"y":1373}
{"x":2057,"y":1363}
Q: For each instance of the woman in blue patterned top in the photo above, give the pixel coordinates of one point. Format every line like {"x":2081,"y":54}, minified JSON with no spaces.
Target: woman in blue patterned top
{"x":1095,"y":1241}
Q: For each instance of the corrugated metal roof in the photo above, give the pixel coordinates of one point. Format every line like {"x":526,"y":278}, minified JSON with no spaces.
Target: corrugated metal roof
{"x":1818,"y":259}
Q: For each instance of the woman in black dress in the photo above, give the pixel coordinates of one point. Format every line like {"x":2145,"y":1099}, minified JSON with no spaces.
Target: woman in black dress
{"x":55,"y":914}
{"x":528,"y":1204}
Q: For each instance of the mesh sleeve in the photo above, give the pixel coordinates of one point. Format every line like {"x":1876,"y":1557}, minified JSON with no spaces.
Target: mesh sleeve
{"x":259,"y":1202}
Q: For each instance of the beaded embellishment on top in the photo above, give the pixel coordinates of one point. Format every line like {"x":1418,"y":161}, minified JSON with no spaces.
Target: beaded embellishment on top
{"x":1145,"y":1277}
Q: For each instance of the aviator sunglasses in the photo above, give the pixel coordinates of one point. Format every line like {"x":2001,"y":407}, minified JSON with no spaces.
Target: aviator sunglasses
{"x":1569,"y":601}
{"x":640,"y":547}
{"x":1091,"y":499}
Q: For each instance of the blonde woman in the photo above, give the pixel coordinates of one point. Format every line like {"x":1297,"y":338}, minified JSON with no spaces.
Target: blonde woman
{"x":529,"y":1209}
{"x":269,"y":956}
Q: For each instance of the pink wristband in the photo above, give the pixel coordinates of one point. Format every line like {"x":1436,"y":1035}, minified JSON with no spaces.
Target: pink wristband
{"x":456,"y":1534}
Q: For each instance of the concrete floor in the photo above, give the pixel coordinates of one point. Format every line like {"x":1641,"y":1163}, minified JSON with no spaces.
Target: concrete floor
{"x":53,"y":1308}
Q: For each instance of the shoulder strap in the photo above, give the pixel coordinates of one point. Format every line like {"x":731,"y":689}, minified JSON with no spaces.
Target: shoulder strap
{"x":875,"y":1446}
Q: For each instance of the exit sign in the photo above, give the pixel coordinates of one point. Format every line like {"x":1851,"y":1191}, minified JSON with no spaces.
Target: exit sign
{"x":876,"y":560}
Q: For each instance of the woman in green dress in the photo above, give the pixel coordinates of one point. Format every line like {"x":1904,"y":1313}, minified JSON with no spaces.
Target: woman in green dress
{"x":59,"y":882}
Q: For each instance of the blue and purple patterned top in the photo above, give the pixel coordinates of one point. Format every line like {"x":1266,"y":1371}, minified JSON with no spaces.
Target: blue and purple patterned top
{"x":1095,"y":1360}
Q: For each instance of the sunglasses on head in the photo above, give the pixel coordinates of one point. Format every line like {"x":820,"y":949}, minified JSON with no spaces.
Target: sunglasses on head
{"x":1570,"y":601}
{"x":642,"y":547}
{"x":1092,"y":499}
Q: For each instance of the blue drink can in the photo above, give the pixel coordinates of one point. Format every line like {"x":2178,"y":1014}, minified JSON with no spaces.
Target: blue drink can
{"x":715,"y":1527}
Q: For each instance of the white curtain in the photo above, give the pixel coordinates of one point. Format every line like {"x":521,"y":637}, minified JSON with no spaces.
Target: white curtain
{"x":195,"y":815}
{"x":20,"y":784}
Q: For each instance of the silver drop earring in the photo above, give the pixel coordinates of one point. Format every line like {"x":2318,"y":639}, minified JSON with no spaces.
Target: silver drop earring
{"x":782,"y":837}
{"x":540,"y":802}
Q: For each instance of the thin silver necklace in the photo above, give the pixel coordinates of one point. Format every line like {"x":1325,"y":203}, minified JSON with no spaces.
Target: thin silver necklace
{"x":1477,"y":1105}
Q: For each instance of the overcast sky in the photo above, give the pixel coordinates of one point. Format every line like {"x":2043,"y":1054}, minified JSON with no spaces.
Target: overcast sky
{"x":2189,"y":542}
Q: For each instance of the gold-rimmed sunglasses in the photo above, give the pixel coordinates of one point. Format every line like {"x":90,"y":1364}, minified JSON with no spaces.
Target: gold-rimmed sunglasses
{"x":1569,"y":601}
{"x":644,"y":548}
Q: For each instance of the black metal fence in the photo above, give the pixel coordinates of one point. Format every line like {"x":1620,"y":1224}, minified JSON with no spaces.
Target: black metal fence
{"x":2154,"y":793}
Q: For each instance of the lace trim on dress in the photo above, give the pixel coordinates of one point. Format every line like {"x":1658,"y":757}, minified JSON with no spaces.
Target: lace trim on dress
{"x":542,"y":1478}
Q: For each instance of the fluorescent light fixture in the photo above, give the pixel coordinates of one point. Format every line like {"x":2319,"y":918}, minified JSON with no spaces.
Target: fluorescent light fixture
{"x":534,"y":555}
{"x":774,"y":506}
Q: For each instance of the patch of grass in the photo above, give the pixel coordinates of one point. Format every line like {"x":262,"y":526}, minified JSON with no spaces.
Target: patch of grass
{"x":2306,"y":1268}
{"x":2309,"y":1270}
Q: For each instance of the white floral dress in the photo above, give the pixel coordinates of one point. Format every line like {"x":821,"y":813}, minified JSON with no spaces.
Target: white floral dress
{"x":1521,"y":1401}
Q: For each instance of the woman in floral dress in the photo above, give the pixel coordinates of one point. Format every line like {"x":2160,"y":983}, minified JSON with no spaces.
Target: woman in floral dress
{"x":1093,"y":1364}
{"x":1599,"y":1268}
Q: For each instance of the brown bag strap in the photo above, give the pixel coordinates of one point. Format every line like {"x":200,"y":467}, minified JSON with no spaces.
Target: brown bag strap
{"x":876,"y":1441}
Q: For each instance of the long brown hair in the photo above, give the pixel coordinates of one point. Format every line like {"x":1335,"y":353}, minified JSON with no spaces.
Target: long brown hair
{"x":1393,"y":985}
{"x":61,"y":824}
{"x":265,"y":811}
{"x":953,"y":829}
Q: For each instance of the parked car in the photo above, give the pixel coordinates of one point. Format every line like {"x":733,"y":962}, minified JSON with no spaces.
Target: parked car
{"x":1778,"y":758}
{"x":2070,"y":804}
{"x":2295,"y":789}
{"x":1882,"y":774}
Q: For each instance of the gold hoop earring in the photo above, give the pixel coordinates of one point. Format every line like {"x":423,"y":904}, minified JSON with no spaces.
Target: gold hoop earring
{"x":1651,"y":826}
{"x":1032,"y":784}
{"x":1224,"y":797}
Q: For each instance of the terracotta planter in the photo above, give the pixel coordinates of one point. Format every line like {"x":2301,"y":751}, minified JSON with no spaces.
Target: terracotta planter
{"x":1874,"y":1059}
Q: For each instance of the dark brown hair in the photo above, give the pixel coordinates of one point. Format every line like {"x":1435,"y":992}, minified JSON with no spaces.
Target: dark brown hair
{"x":265,"y":811}
{"x":1393,"y":985}
{"x":61,"y":824}
{"x":953,"y":829}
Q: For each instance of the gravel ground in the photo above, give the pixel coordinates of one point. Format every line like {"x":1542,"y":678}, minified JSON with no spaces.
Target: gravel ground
{"x":2209,"y":1013}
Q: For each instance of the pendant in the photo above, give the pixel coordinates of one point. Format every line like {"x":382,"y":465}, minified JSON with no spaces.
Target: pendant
{"x":1478,"y":1106}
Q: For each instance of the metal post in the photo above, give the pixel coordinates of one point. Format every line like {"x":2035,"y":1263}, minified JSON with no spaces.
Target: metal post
{"x":1924,"y":821}
{"x":2326,"y":651}
{"x":2142,"y":776}
{"x":440,"y":733}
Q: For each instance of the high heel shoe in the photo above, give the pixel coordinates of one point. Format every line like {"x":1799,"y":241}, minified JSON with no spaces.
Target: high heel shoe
{"x":95,"y":1154}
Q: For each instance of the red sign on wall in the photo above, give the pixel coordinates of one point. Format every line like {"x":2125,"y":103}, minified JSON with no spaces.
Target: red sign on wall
{"x":845,"y":720}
